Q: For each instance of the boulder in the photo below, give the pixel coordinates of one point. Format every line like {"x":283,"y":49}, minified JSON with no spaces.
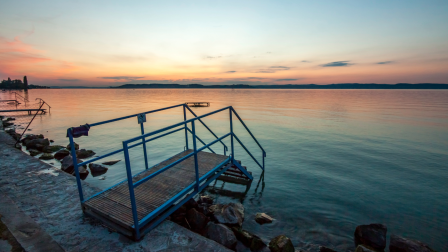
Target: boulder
{"x":61,"y":154}
{"x":325,"y":249}
{"x":52,"y":148}
{"x":28,"y":138}
{"x":364,"y":248}
{"x":197,"y":220}
{"x":97,"y":169}
{"x":83,"y":172}
{"x":40,"y":136}
{"x":203,"y":208}
{"x":281,"y":243}
{"x":33,"y":143}
{"x":373,"y":235}
{"x":191,"y":203}
{"x":400,"y":244}
{"x":67,"y":164}
{"x":83,"y":153}
{"x":70,"y":148}
{"x":111,"y":162}
{"x":34,"y":152}
{"x":46,"y":156}
{"x":7,"y":124}
{"x":262,"y":218}
{"x":10,"y":119}
{"x":221,"y":234}
{"x":207,"y":199}
{"x":250,"y":240}
{"x":231,"y":214}
{"x":39,"y":147}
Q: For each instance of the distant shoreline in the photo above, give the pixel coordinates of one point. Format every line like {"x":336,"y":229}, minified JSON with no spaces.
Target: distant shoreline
{"x":289,"y":86}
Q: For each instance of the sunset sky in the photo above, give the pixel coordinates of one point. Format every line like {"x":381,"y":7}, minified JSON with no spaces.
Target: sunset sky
{"x":109,"y":43}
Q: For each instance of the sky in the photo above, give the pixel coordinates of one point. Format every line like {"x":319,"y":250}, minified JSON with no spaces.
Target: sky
{"x":110,"y":43}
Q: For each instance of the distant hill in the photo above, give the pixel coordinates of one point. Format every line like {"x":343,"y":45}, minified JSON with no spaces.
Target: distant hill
{"x":294,"y":86}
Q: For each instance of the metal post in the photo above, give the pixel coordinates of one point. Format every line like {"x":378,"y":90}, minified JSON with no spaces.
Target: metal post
{"x":185,"y":125}
{"x":131,"y":190}
{"x":264,"y":155}
{"x":144,"y":145}
{"x":231,"y":131}
{"x":195,"y":157}
{"x":75,"y":165}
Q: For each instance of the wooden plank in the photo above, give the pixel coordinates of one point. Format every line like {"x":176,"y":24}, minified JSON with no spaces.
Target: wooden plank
{"x":115,"y":204}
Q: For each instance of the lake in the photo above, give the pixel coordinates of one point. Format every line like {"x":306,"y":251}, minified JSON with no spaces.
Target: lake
{"x":335,"y":158}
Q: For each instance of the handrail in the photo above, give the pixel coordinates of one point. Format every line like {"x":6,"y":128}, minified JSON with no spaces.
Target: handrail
{"x":146,"y":137}
{"x":24,"y":99}
{"x":191,"y":111}
{"x":177,"y":161}
{"x":126,"y":117}
{"x":200,"y":140}
{"x":172,"y":126}
{"x":239,"y":118}
{"x":42,"y":101}
{"x":248,"y":152}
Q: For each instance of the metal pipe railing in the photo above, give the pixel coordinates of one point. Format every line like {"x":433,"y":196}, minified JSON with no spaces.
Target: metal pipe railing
{"x":143,"y":137}
{"x":191,"y":111}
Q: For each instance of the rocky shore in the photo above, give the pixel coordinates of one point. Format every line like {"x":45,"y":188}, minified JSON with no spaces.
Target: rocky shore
{"x":222,"y":223}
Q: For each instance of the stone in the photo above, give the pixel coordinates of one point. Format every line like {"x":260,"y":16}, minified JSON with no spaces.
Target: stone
{"x":32,"y":143}
{"x":281,"y":243}
{"x":39,"y":147}
{"x":46,"y":156}
{"x":83,"y":172}
{"x":97,"y":169}
{"x":76,"y":146}
{"x":61,"y":154}
{"x":191,"y":203}
{"x":7,"y":124}
{"x":34,"y":152}
{"x":67,"y":164}
{"x":325,"y":249}
{"x":40,"y":136}
{"x":28,"y":138}
{"x":10,"y":119}
{"x":221,"y":234}
{"x":250,"y":240}
{"x":51,"y":141}
{"x":231,"y":214}
{"x":52,"y":148}
{"x":83,"y":153}
{"x":111,"y":162}
{"x":373,"y":235}
{"x":364,"y":248}
{"x":197,"y":220}
{"x":204,"y":208}
{"x":262,"y":218}
{"x":206,"y":199}
{"x":401,"y":244}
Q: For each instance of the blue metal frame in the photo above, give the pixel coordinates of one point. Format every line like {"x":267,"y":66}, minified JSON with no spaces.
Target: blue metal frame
{"x":144,"y":138}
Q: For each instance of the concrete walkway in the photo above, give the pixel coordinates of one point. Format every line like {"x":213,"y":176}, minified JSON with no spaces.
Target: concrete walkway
{"x":40,"y":206}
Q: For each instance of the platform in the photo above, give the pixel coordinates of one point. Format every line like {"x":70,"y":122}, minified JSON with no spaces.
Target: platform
{"x":114,"y":205}
{"x":43,"y":111}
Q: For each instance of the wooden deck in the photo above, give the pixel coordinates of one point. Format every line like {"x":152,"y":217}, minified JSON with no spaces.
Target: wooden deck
{"x":114,"y":205}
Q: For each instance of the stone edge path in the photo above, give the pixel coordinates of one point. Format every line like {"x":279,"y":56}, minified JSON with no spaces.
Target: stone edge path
{"x":49,"y":198}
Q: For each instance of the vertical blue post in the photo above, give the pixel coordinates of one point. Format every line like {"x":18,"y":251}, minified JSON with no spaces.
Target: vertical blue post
{"x":196,"y":188}
{"x":144,"y":145}
{"x":185,"y":125}
{"x":75,"y":165}
{"x":264,"y":155}
{"x":231,"y":131}
{"x":131,"y":190}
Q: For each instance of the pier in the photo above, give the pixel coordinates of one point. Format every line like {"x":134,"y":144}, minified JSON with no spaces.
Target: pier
{"x":30,"y":111}
{"x":138,"y":204}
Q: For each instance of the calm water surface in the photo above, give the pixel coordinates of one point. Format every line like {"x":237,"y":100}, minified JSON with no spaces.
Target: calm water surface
{"x":335,"y":158}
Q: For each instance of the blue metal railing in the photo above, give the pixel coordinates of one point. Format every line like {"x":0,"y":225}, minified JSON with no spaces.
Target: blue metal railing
{"x":143,"y":139}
